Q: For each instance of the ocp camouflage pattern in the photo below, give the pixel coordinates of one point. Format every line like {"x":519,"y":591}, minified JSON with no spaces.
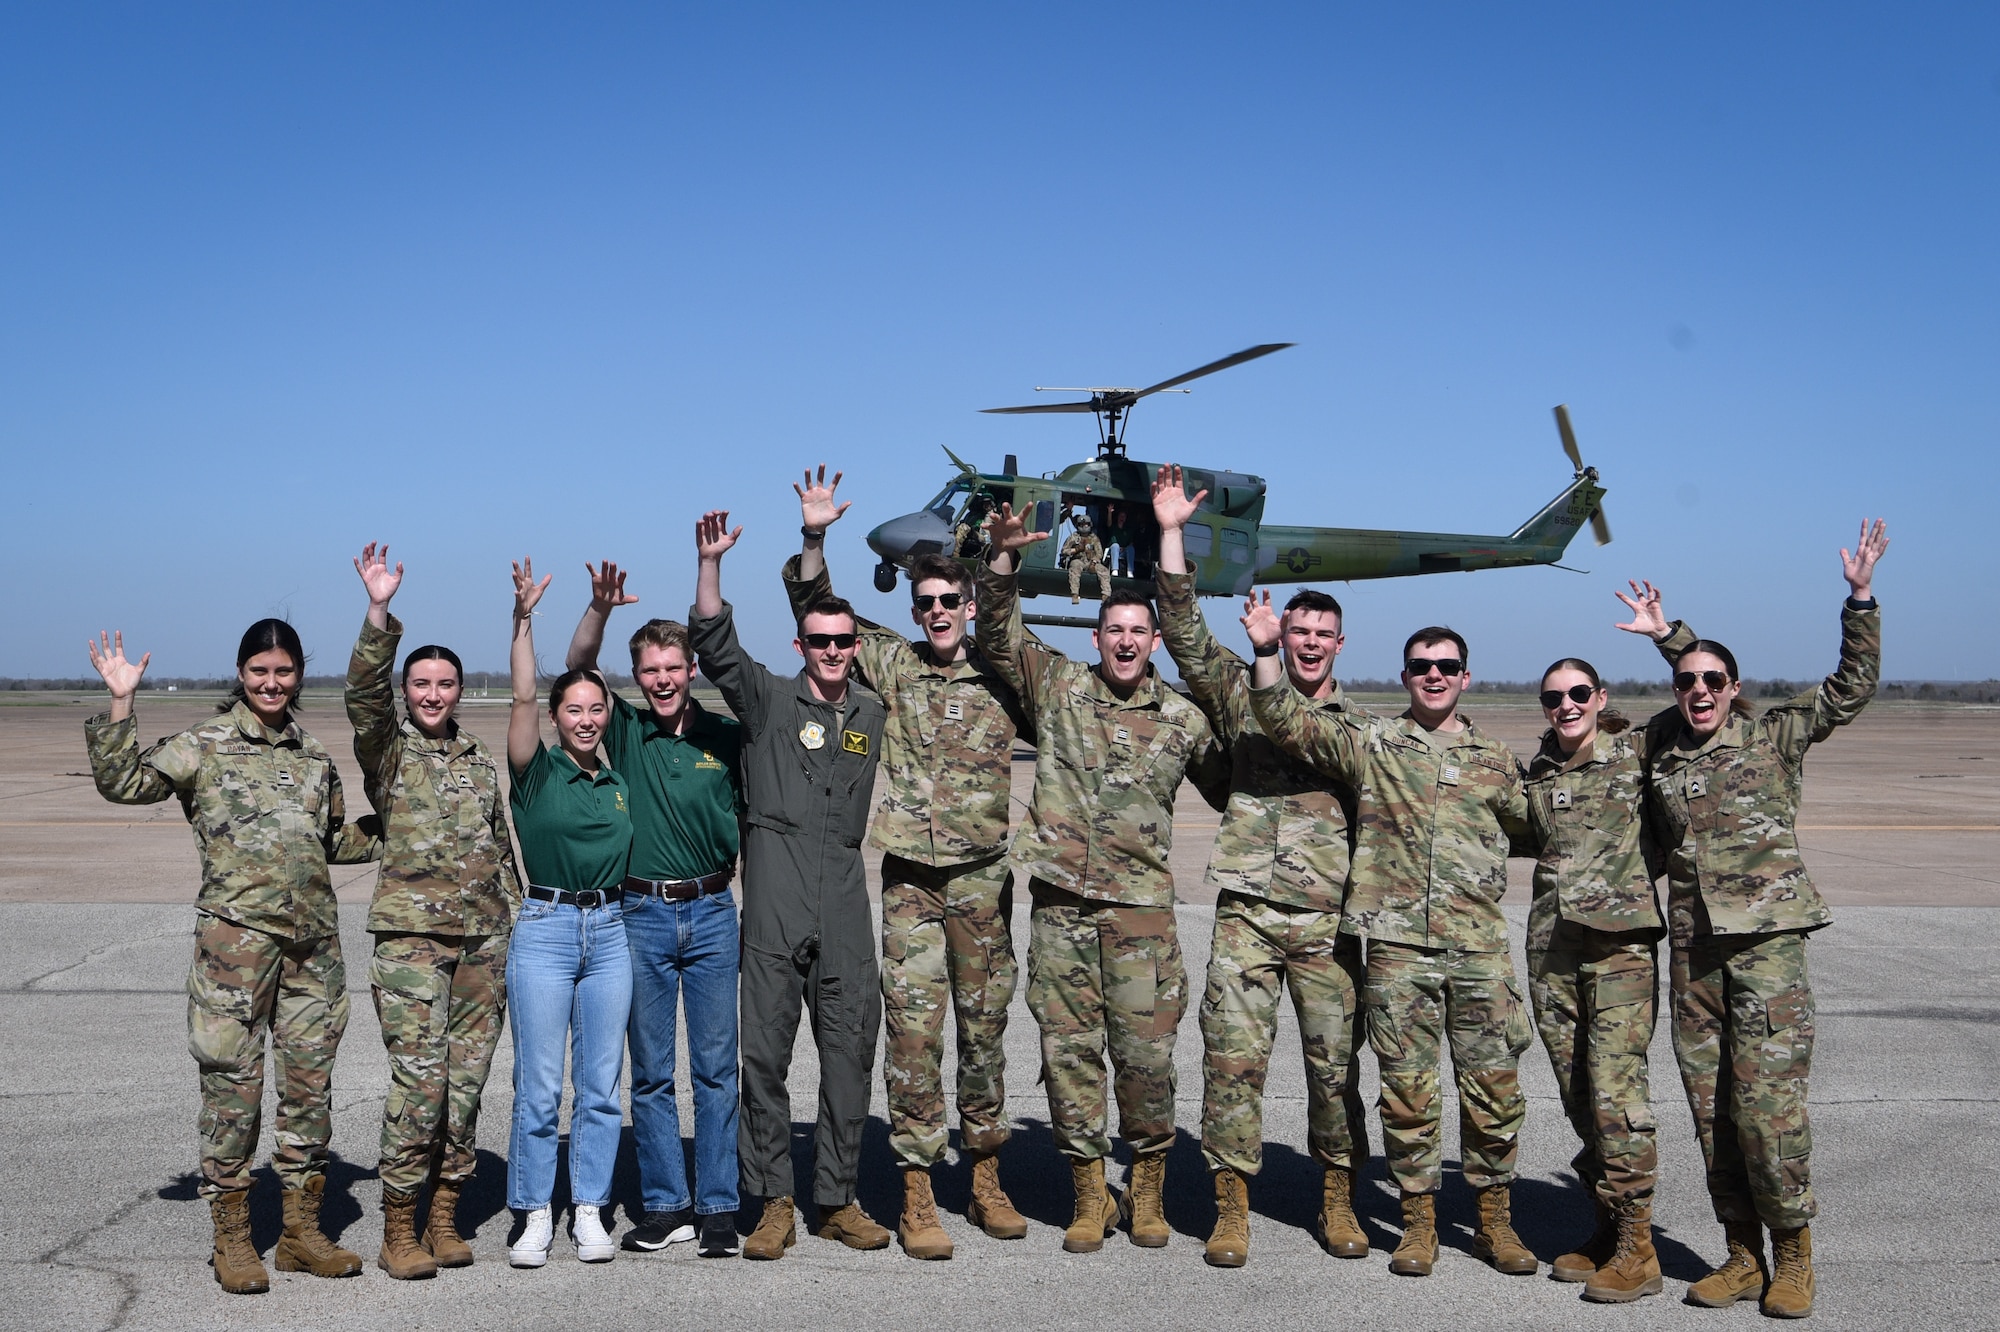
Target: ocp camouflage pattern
{"x":441,"y":1003}
{"x":1594,"y":850}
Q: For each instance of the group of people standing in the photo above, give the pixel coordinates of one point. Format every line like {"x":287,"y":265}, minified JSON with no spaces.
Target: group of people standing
{"x":1359,"y":866}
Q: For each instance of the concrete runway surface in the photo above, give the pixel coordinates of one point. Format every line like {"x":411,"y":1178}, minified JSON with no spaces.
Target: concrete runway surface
{"x":102,"y":1228}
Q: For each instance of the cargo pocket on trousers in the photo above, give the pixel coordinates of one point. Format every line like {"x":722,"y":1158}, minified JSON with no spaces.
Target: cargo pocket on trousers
{"x":1786,"y":1050}
{"x":1520,"y":1032}
{"x":1623,"y":1010}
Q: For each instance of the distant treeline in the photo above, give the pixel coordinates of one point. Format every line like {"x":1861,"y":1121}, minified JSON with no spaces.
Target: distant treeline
{"x":1939,"y":691}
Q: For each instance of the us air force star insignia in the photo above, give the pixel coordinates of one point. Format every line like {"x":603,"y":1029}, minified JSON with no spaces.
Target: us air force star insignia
{"x":854,"y":742}
{"x":1560,"y":799}
{"x":954,"y":711}
{"x":1451,"y":776}
{"x":812,"y":735}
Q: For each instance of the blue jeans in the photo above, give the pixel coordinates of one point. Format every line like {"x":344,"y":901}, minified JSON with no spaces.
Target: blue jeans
{"x":684,"y":952}
{"x":569,"y":983}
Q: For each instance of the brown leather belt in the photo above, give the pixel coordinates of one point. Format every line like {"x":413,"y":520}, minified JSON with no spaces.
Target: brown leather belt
{"x":681,"y":890}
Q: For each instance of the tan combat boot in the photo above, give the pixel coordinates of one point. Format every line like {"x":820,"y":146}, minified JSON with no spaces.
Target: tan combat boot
{"x":1633,"y":1269}
{"x":1340,"y":1232}
{"x":1229,"y":1243}
{"x":441,"y":1235}
{"x":854,"y":1227}
{"x":304,"y":1247}
{"x":1741,"y":1276}
{"x":991,"y":1210}
{"x":1097,"y":1210}
{"x":921,"y":1232}
{"x":1593,"y":1253}
{"x":238,"y":1269}
{"x":1418,"y":1253}
{"x":402,"y":1257}
{"x":1494,"y":1239}
{"x":776,"y":1231}
{"x":1791,"y":1291}
{"x":1148,"y":1187}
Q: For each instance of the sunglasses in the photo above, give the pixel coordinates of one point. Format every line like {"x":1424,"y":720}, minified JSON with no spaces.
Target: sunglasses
{"x":1552,"y":698}
{"x":948,"y":600}
{"x":1446,"y":666}
{"x":828,"y":640}
{"x":1716,"y":681}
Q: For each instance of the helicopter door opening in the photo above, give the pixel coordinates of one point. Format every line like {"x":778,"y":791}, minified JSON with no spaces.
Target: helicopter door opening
{"x":1128,"y":532}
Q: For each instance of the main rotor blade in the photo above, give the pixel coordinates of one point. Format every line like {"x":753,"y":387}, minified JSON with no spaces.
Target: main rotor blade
{"x":1043,"y":407}
{"x":1569,"y":440}
{"x":1247,"y":354}
{"x":1600,"y":528}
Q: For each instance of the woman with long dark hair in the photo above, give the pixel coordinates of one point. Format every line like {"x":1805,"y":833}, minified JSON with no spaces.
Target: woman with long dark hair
{"x":266,"y":808}
{"x":443,"y":907}
{"x":1723,"y":790}
{"x":569,"y":972}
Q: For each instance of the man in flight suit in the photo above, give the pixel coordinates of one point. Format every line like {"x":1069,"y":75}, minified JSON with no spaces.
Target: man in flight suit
{"x":810,"y":746}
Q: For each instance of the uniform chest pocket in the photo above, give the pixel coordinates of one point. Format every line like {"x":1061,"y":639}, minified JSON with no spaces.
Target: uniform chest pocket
{"x":1143,"y":748}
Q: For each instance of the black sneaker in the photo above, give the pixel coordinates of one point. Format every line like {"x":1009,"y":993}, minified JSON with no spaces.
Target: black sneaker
{"x":718,"y":1235}
{"x":659,"y":1229}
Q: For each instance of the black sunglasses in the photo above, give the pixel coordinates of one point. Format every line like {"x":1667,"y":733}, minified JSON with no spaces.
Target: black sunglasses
{"x":828,"y":640}
{"x":948,"y":600}
{"x":1716,"y":681}
{"x":1446,"y":666}
{"x":1552,"y":698}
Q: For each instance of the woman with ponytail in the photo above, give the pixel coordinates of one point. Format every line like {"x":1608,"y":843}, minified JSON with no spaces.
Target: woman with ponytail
{"x":1723,"y":793}
{"x":1592,"y":929}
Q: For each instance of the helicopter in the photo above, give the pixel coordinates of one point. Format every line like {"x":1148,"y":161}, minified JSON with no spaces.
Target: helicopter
{"x":1230,"y":547}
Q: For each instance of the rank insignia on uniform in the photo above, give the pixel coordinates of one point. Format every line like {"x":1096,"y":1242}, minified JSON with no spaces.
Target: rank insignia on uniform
{"x":812,"y":735}
{"x":1450,"y":775}
{"x":854,"y":742}
{"x":1560,"y":799}
{"x":1122,"y":736}
{"x":1697,"y":787}
{"x":954,"y":711}
{"x":285,"y":777}
{"x":465,"y":780}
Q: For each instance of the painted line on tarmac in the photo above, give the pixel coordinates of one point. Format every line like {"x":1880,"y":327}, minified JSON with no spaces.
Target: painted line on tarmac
{"x":1899,"y":827}
{"x":86,"y":823}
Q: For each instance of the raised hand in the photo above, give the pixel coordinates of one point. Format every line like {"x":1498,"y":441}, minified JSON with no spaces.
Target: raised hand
{"x":376,"y":575}
{"x":1171,"y":505}
{"x":121,"y":677}
{"x":1647,"y":617}
{"x":526,"y":590}
{"x":817,"y":508}
{"x":1008,"y":531}
{"x":1261,"y":622}
{"x":713,"y":536}
{"x":607,"y":586}
{"x":1859,"y":568}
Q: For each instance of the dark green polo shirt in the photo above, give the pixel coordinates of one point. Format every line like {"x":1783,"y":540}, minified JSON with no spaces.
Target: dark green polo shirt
{"x":687,"y":790}
{"x":575,"y":829}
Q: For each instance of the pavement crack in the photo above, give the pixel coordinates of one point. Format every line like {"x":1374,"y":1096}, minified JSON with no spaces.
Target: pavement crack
{"x":126,"y":1282}
{"x":96,"y":953}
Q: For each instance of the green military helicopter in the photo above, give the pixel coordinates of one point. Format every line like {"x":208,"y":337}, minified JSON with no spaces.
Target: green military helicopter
{"x":1229,"y":545}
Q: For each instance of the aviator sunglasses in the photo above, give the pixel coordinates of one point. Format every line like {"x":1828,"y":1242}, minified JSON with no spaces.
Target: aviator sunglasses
{"x":1446,"y":666}
{"x":1552,"y":698}
{"x":948,"y":600}
{"x":828,"y":640}
{"x":1716,"y":681}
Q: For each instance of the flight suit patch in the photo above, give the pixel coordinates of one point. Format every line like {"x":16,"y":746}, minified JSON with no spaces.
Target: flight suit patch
{"x":812,"y":735}
{"x":854,"y":742}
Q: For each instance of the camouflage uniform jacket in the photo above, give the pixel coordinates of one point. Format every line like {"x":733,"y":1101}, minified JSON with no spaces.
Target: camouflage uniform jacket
{"x":1107,"y":769}
{"x":265,"y":807}
{"x":1594,"y":848}
{"x":1082,"y":548}
{"x":948,"y":747}
{"x":447,"y":861}
{"x":1726,"y":809}
{"x":1287,"y":834}
{"x":1430,"y":857}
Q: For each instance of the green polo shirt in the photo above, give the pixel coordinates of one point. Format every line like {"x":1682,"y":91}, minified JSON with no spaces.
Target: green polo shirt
{"x":575,"y":829}
{"x":687,"y":790}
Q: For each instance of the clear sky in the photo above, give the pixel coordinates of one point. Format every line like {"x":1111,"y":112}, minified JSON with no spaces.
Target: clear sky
{"x":486,"y":279}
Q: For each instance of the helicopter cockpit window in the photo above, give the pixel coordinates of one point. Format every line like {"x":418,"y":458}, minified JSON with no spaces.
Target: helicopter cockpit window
{"x":1199,"y":539}
{"x":948,"y":499}
{"x":1235,"y":546}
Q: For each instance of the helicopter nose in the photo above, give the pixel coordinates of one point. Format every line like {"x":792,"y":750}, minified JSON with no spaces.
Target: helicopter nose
{"x":920,"y":533}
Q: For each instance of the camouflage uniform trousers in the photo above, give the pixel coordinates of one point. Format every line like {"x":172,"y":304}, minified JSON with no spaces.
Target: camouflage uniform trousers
{"x":1417,"y":998}
{"x":1743,"y":1011}
{"x":441,"y":1000}
{"x":1596,"y":999}
{"x":947,"y":935}
{"x":1261,"y":949}
{"x":1076,"y":570}
{"x":1104,"y":976}
{"x":243,"y":983}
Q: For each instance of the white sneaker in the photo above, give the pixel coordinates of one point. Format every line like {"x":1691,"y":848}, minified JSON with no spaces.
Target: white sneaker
{"x":532,"y":1249}
{"x":592,"y":1244}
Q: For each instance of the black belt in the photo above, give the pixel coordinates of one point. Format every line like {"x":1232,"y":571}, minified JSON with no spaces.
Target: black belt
{"x":681,"y":890}
{"x":589,"y":897}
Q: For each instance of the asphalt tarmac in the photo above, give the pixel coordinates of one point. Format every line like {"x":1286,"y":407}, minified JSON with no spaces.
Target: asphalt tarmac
{"x":101,"y":1226}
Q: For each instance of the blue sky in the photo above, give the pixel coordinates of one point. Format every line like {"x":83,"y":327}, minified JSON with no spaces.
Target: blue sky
{"x":488,"y":279}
